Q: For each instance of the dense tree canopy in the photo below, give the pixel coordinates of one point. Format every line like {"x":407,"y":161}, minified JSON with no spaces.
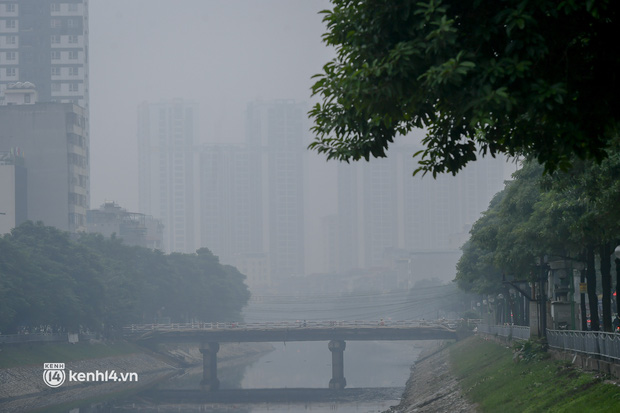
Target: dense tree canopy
{"x":100,"y":284}
{"x":568,"y":215}
{"x":482,"y":76}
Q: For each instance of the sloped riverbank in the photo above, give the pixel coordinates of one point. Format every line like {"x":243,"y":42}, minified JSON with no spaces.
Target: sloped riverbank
{"x":432,"y":387}
{"x":22,"y":387}
{"x":480,"y":374}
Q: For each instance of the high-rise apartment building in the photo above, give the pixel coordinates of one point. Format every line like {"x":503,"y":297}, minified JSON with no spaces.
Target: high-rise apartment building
{"x":231,"y":212}
{"x":44,"y":58}
{"x":384,"y":212}
{"x":54,"y":140}
{"x":166,"y":134}
{"x":251,"y":205}
{"x":275,"y":135}
{"x":45,"y":42}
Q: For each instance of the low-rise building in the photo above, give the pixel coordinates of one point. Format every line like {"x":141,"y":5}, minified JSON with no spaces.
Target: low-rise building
{"x":132,"y":227}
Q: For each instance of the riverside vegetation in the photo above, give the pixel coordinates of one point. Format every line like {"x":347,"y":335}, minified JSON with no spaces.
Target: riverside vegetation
{"x":52,"y":281}
{"x":526,"y":379}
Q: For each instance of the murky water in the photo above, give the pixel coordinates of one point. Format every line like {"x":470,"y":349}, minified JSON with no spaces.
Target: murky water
{"x":376,"y":373}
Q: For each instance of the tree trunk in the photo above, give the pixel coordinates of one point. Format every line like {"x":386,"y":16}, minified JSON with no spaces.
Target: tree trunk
{"x":582,"y":298}
{"x":605,"y":257}
{"x":592,"y":297}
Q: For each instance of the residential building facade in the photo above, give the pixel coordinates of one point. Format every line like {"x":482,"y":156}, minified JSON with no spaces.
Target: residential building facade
{"x":45,"y":42}
{"x":252,"y":194}
{"x":275,"y":136}
{"x":166,"y":134}
{"x":231,"y":212}
{"x":54,"y":140}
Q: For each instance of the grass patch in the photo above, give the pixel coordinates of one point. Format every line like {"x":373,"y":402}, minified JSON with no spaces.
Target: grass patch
{"x":493,"y":378}
{"x":39,"y":353}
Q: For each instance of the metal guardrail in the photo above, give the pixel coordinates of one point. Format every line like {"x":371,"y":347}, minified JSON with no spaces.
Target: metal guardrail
{"x":509,"y":330}
{"x":592,"y":343}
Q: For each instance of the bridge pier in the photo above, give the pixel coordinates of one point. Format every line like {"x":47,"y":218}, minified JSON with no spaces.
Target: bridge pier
{"x":209,"y":381}
{"x":337,"y":348}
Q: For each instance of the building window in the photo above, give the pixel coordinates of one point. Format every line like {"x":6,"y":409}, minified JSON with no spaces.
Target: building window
{"x":55,"y":87}
{"x":55,"y":23}
{"x":73,"y":71}
{"x":73,"y":7}
{"x":73,"y":87}
{"x":55,"y":7}
{"x":10,"y":8}
{"x":27,"y":98}
{"x":11,"y":24}
{"x":55,"y":71}
{"x":73,"y":54}
{"x":55,"y":39}
{"x":55,"y":55}
{"x":10,"y":55}
{"x":73,"y":38}
{"x":11,"y":40}
{"x":11,"y":72}
{"x":72,"y":23}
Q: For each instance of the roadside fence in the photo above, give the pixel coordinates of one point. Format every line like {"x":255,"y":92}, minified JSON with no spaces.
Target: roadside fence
{"x":592,"y":343}
{"x":508,"y":330}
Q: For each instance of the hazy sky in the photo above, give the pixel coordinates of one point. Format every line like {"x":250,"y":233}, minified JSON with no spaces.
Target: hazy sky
{"x":219,"y":53}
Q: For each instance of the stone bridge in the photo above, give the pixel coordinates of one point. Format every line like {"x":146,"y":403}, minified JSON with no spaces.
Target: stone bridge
{"x":209,"y":335}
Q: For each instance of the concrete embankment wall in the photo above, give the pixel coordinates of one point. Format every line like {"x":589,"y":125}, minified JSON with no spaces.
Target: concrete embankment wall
{"x":588,"y":363}
{"x":23,"y":388}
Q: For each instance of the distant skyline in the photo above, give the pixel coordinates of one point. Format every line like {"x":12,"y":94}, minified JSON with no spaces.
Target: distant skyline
{"x":220,"y":54}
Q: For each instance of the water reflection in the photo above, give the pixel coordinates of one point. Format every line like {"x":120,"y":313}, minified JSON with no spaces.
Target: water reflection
{"x":375,"y":371}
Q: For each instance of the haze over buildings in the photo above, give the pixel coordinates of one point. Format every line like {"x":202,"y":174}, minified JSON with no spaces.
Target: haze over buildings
{"x":252,"y":194}
{"x":385,"y":215}
{"x":166,"y":135}
{"x":44,"y":58}
{"x":218,"y":149}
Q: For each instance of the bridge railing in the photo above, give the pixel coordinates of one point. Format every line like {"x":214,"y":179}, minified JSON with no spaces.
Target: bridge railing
{"x":44,"y":338}
{"x":138,"y":328}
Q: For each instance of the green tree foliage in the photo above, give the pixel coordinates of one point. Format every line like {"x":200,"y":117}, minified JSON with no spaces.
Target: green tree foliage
{"x":48,"y":279}
{"x":569,"y":215}
{"x":482,"y":76}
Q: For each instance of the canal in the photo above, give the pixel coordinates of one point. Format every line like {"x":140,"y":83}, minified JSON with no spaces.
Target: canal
{"x":292,"y":378}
